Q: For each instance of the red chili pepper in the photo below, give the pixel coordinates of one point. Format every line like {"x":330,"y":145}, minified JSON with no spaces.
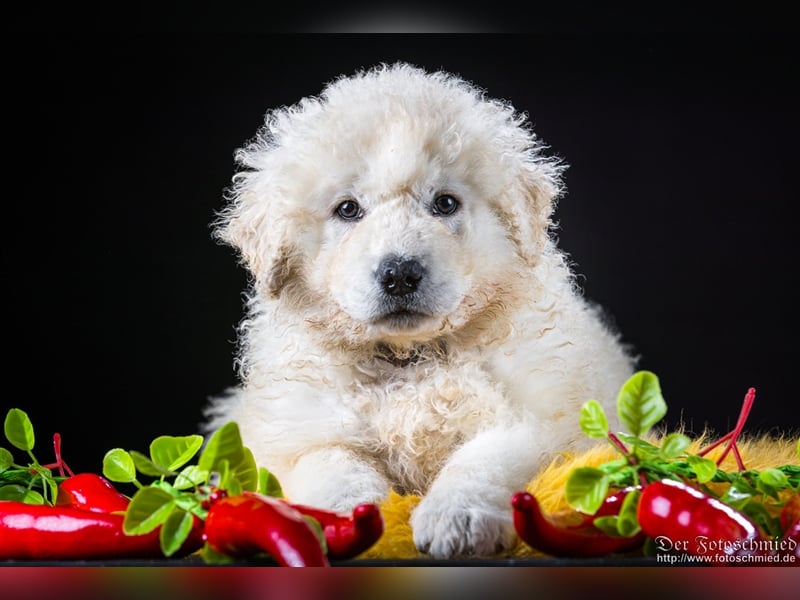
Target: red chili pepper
{"x":245,"y":525}
{"x":790,"y":523}
{"x":91,"y":492}
{"x":693,"y":522}
{"x":347,"y":535}
{"x":790,"y":542}
{"x":215,"y":495}
{"x":29,"y":531}
{"x":583,"y":540}
{"x":612,"y":504}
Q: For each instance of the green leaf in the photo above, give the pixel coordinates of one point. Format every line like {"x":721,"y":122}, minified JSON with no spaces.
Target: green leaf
{"x":649,"y":548}
{"x":607,"y":524}
{"x":644,"y":449}
{"x":593,"y":420}
{"x":176,"y":529}
{"x":679,"y":468}
{"x":621,"y":477}
{"x":614,"y":465}
{"x":228,"y":480}
{"x":224,"y":444}
{"x":51,"y":485}
{"x":793,"y":473}
{"x":172,"y":452}
{"x":234,"y":487}
{"x":586,"y":488}
{"x":118,"y":466}
{"x":774,"y":478}
{"x":319,"y":531}
{"x":149,"y":508}
{"x":738,"y":495}
{"x":145,"y":466}
{"x":628,"y":523}
{"x":772,"y":481}
{"x":762,"y":517}
{"x":167,"y":487}
{"x":191,"y":476}
{"x":640,"y":404}
{"x":704,"y":468}
{"x":246,"y":471}
{"x":6,"y":459}
{"x":19,"y":430}
{"x":674,"y":445}
{"x":268,"y":484}
{"x":190,"y":503}
{"x":212,"y":557}
{"x":224,"y":472}
{"x":20,"y":493}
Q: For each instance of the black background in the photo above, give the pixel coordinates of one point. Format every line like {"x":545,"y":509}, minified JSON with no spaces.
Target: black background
{"x":120,"y":310}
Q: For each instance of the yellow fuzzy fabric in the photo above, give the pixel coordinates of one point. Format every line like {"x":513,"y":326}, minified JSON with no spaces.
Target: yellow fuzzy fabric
{"x":548,"y":487}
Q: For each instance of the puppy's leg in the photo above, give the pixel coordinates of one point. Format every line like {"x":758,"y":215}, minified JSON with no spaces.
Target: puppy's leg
{"x":467,"y":510}
{"x":336,"y":478}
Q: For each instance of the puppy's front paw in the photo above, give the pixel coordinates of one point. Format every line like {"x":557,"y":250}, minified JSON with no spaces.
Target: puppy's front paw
{"x":334,"y":479}
{"x":451,"y":525}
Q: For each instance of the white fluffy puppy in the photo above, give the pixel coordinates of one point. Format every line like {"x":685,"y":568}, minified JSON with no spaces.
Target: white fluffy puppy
{"x":411,"y":325}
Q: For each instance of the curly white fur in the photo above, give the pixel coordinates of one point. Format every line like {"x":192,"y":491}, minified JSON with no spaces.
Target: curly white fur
{"x":460,"y":388}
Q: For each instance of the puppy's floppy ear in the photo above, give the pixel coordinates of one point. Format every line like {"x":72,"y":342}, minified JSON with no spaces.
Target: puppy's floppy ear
{"x":262,"y":218}
{"x":253,"y":224}
{"x":528,"y":204}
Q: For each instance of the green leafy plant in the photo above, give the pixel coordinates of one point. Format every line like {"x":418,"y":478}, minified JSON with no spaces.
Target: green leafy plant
{"x":32,"y":483}
{"x":646,"y":456}
{"x":179,"y":492}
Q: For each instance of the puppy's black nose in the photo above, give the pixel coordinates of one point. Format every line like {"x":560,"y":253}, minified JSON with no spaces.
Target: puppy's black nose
{"x":400,"y":276}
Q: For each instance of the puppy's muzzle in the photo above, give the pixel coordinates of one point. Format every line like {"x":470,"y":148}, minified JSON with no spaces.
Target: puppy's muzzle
{"x":400,"y":276}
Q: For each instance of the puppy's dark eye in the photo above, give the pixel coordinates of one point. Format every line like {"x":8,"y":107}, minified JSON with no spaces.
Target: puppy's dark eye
{"x":445,"y":205}
{"x":349,"y":210}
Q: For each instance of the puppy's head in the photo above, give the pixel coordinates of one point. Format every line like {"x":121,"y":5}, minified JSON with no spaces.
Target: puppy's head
{"x":398,"y":207}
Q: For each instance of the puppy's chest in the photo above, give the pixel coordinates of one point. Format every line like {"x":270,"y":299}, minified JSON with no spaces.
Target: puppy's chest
{"x":420,"y":413}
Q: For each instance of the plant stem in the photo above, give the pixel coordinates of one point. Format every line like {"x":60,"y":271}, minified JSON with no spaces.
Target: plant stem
{"x":733,"y":435}
{"x":617,"y":443}
{"x":59,"y":464}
